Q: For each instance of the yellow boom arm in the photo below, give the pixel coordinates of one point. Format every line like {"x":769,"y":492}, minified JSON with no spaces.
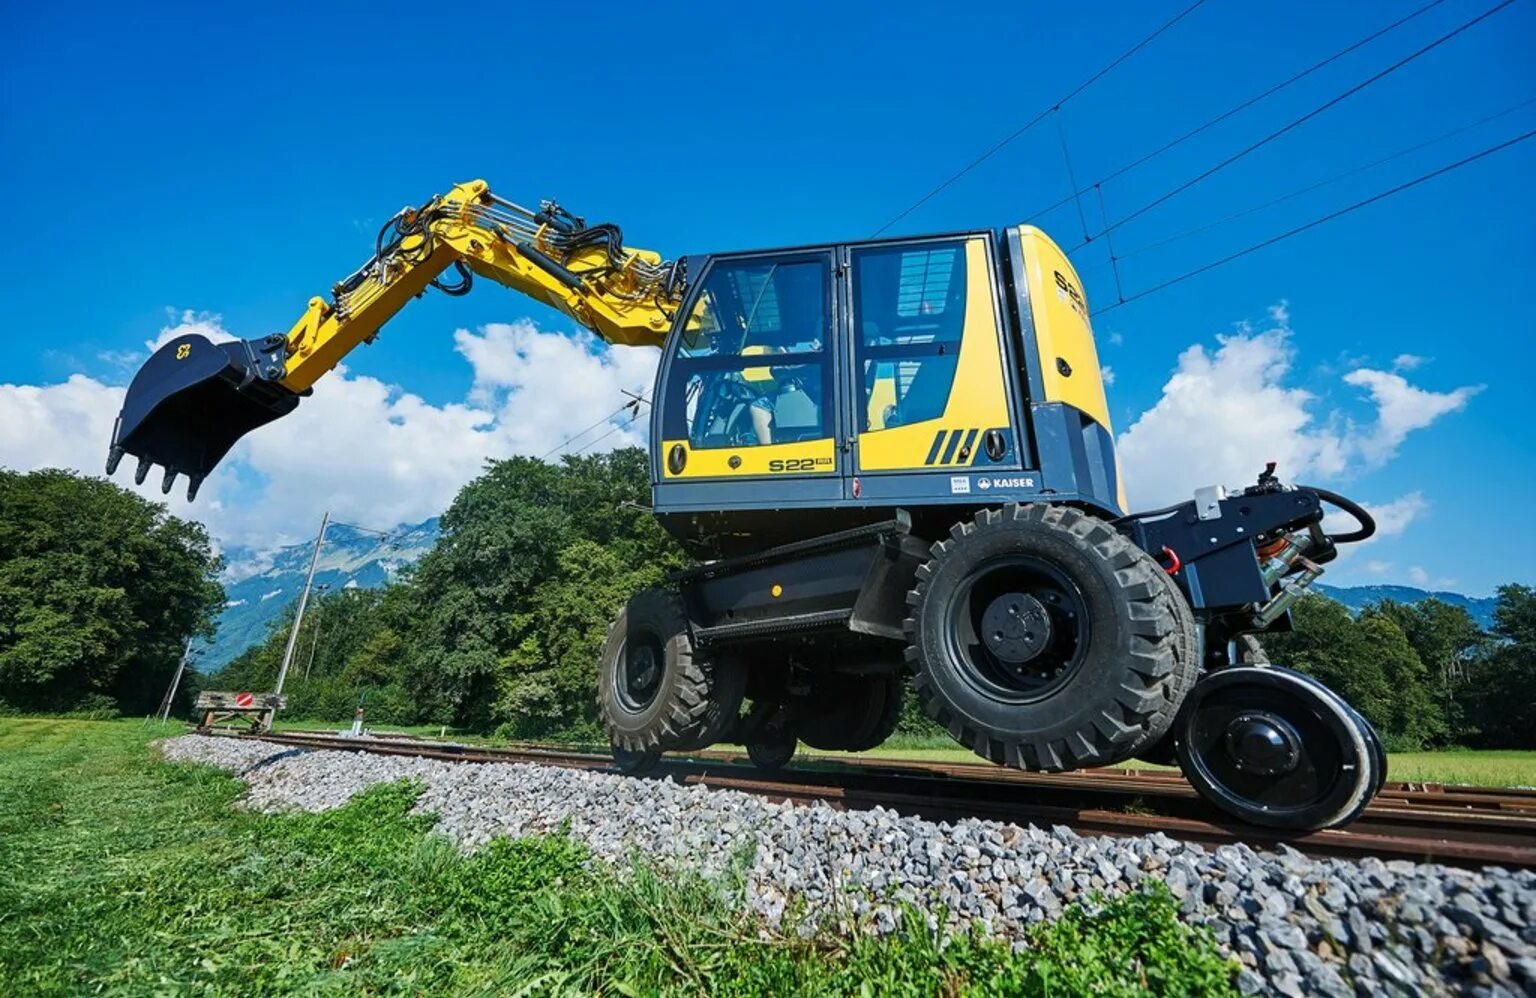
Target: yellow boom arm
{"x":193,"y":399}
{"x":623,"y":295}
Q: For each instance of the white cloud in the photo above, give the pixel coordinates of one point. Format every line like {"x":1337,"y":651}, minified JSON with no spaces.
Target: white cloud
{"x":66,"y":425}
{"x":1401,"y":408}
{"x":359,"y":447}
{"x":1408,"y":361}
{"x":1377,"y":567}
{"x":1225,"y":412}
{"x":1392,"y":518}
{"x":1108,"y":374}
{"x":207,"y":324}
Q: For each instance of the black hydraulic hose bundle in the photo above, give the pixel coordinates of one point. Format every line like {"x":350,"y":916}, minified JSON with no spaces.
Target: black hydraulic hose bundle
{"x":1367,"y":523}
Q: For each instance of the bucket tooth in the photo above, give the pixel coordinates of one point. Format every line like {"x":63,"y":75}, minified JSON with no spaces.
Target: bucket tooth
{"x":142,"y":471}
{"x":167,"y":482}
{"x":114,"y":458}
{"x":194,"y":482}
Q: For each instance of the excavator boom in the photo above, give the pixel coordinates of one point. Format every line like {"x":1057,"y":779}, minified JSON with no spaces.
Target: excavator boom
{"x":193,"y":399}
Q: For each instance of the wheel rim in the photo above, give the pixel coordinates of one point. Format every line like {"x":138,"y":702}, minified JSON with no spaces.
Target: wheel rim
{"x":638,"y":679}
{"x":1018,"y":628}
{"x":1276,"y":749}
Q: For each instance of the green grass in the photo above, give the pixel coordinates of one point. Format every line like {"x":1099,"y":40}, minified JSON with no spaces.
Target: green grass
{"x":1477,"y":767}
{"x":120,"y":874}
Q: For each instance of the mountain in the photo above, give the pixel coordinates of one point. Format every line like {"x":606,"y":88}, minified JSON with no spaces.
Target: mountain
{"x":1355,"y":598}
{"x":259,"y":585}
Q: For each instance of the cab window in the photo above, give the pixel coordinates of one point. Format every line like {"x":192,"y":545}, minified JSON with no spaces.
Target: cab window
{"x":750,"y":366}
{"x":909,"y":313}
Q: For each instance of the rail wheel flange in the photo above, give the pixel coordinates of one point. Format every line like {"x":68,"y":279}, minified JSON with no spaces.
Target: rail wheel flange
{"x":1277,"y":748}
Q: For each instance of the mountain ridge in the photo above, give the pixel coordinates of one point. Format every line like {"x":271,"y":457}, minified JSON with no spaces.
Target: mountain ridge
{"x":260,"y":585}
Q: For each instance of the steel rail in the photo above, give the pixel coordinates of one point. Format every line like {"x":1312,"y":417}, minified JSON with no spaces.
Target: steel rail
{"x":1458,"y":826}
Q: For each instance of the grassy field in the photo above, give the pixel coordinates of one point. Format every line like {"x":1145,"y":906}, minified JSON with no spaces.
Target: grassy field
{"x":1481,"y":768}
{"x":120,"y":874}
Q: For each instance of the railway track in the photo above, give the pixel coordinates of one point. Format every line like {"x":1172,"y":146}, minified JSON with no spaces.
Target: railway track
{"x":1459,"y":826}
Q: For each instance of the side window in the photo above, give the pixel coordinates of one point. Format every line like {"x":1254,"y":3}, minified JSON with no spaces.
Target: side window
{"x":751,"y":365}
{"x":909,"y":313}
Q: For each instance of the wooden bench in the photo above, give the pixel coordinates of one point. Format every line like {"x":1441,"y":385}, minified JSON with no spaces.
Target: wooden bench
{"x":257,"y":708}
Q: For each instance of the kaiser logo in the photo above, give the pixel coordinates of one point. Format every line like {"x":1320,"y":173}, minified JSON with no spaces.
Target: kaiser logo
{"x":983,"y":484}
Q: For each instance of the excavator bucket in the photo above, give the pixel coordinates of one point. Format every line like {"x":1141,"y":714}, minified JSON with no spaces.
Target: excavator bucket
{"x":193,"y":399}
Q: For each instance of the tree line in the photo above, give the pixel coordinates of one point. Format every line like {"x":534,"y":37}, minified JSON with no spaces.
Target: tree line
{"x":497,"y":628}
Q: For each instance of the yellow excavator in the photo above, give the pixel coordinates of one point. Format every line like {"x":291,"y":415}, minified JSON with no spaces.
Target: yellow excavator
{"x":893,"y":461}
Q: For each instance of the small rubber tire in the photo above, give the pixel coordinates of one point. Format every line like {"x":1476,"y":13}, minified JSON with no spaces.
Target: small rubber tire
{"x":1314,"y":713}
{"x":635,"y":763}
{"x":1121,"y":693}
{"x":863,"y":714}
{"x":676,"y":711}
{"x":773,"y":754}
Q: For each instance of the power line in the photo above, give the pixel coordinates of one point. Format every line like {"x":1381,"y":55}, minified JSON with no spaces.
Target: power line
{"x":1326,"y":181}
{"x":1245,"y":105}
{"x":1186,"y":185}
{"x":633,"y":404}
{"x":1319,"y":221}
{"x":616,"y":428}
{"x":998,"y":147}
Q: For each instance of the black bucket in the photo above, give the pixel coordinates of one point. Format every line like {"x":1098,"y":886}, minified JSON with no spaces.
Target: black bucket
{"x":193,"y":399}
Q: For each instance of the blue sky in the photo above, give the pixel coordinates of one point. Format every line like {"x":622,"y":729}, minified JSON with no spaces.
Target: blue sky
{"x":225,"y":165}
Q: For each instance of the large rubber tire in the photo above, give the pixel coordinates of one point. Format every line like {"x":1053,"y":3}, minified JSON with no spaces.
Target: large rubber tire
{"x":653,"y":692}
{"x":728,"y":685}
{"x":1161,"y":752}
{"x":1120,"y":691}
{"x":863,"y":713}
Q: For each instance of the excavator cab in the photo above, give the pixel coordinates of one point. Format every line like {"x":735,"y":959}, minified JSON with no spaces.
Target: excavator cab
{"x":192,"y":400}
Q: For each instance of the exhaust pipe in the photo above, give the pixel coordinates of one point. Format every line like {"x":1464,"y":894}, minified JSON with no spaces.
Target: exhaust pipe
{"x":193,"y":399}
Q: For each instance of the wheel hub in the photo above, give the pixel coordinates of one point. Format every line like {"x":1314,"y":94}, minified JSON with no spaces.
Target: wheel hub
{"x":1015,"y":628}
{"x":639,"y":675}
{"x":1262,"y":743}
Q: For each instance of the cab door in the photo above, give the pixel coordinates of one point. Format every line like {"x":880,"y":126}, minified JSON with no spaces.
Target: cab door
{"x":930,"y":391}
{"x":748,"y":389}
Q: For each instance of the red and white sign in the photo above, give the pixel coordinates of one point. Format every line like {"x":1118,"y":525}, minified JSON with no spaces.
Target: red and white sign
{"x":244,"y":699}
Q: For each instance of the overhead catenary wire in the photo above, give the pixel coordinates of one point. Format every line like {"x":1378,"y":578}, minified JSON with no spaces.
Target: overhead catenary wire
{"x":1032,"y":122}
{"x":1314,"y":223}
{"x":1335,"y":178}
{"x":612,"y":430}
{"x":633,"y":405}
{"x":1238,"y":108}
{"x":1297,"y":122}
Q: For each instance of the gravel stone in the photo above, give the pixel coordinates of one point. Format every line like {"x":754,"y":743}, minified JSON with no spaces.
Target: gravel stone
{"x":1299,"y":925}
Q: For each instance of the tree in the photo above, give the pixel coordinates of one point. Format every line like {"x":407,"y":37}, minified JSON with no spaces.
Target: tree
{"x":1504,"y":683}
{"x":1327,"y":643}
{"x":1449,"y":643}
{"x":1415,"y":716}
{"x":513,"y":602}
{"x":99,"y":591}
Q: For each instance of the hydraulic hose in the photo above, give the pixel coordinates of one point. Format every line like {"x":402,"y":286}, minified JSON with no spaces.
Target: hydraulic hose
{"x":1354,"y":509}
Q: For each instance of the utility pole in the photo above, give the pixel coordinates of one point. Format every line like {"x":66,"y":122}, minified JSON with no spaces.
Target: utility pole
{"x":298,"y":617}
{"x":170,"y":694}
